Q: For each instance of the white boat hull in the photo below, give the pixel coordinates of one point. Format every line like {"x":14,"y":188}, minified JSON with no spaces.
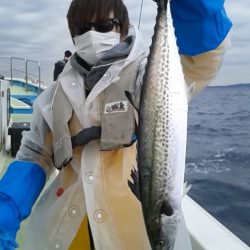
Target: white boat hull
{"x":206,"y":232}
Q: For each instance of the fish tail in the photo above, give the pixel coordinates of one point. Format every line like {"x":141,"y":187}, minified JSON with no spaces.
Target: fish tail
{"x":162,"y":4}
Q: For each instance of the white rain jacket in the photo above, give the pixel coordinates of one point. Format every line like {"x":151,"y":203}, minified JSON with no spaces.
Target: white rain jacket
{"x":94,"y":183}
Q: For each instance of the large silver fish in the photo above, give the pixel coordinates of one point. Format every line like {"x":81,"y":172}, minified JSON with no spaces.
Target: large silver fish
{"x":162,"y":135}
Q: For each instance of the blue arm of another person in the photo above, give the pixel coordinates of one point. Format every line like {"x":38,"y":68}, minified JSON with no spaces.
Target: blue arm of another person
{"x":200,"y":25}
{"x":7,"y":241}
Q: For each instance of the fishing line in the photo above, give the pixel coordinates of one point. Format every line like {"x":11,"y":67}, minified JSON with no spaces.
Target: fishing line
{"x":139,"y":22}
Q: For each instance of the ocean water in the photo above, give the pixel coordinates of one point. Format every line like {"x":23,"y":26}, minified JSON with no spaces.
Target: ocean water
{"x":218,"y":155}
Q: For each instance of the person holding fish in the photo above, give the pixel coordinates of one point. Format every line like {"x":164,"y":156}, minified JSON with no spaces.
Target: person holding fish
{"x":86,"y":126}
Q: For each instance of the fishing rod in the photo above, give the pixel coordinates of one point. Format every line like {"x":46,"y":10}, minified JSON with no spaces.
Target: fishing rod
{"x":139,"y":22}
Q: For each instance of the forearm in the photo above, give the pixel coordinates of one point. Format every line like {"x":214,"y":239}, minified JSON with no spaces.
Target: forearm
{"x":25,"y":178}
{"x":37,"y":143}
{"x":40,"y":153}
{"x":201,"y":70}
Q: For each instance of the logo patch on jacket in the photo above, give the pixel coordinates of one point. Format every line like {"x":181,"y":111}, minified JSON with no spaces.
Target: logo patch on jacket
{"x":116,"y":107}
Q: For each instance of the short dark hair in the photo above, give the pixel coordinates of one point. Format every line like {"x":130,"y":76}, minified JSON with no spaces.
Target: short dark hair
{"x":83,"y":11}
{"x":67,"y":53}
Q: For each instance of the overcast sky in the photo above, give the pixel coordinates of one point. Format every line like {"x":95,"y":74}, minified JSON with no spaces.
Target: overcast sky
{"x":38,"y":30}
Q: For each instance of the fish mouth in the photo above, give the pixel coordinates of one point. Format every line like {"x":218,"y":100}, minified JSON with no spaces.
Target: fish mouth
{"x":162,"y":231}
{"x":160,"y":243}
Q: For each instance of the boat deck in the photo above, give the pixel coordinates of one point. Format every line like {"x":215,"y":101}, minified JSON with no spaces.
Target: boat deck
{"x":19,"y":90}
{"x":21,"y":117}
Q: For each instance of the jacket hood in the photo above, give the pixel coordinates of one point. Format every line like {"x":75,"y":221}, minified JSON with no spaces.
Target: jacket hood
{"x":139,"y":47}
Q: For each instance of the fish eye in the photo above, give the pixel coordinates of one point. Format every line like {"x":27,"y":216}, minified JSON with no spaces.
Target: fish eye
{"x":156,"y":220}
{"x":160,"y":243}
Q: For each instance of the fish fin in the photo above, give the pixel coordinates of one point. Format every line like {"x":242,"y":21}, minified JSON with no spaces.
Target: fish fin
{"x":190,"y":90}
{"x":186,"y":188}
{"x":134,"y":186}
{"x":162,"y":3}
{"x":166,"y":208}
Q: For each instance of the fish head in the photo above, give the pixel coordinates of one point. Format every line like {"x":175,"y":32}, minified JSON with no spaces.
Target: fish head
{"x":162,"y":232}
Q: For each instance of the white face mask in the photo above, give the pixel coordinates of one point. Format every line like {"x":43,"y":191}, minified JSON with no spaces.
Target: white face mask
{"x":92,"y":45}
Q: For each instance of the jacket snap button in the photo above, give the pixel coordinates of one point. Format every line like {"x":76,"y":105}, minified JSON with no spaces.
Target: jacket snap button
{"x":90,"y":106}
{"x":74,"y":212}
{"x":73,"y":85}
{"x":106,"y":76}
{"x":57,"y":246}
{"x":99,"y":215}
{"x":89,"y":178}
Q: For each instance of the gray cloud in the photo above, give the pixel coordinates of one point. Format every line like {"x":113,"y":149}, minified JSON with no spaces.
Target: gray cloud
{"x":35,"y":30}
{"x":237,"y":60}
{"x":38,"y":30}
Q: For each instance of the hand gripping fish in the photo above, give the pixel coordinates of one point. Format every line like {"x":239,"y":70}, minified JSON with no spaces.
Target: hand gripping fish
{"x":162,"y":135}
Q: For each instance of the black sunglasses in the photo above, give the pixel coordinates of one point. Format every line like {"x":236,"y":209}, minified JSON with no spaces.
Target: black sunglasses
{"x":103,"y":26}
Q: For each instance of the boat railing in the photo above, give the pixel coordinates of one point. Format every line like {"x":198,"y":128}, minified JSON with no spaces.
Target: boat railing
{"x":39,"y":72}
{"x":26,"y":63}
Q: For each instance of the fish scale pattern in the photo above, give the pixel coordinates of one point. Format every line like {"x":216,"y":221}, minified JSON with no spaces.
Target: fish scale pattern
{"x":162,"y":135}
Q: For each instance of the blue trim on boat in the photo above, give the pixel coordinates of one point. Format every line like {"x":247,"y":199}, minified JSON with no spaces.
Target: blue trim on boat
{"x":31,"y":98}
{"x":21,"y":111}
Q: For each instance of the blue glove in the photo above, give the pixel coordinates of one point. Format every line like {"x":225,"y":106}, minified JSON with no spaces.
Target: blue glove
{"x":200,"y":25}
{"x":7,"y":241}
{"x":10,"y":222}
{"x":19,"y":189}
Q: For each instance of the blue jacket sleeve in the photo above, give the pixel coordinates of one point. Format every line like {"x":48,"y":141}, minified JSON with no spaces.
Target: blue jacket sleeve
{"x":19,"y":189}
{"x":200,"y":25}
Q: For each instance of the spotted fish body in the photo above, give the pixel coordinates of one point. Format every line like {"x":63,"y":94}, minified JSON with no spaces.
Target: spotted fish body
{"x":162,"y":134}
